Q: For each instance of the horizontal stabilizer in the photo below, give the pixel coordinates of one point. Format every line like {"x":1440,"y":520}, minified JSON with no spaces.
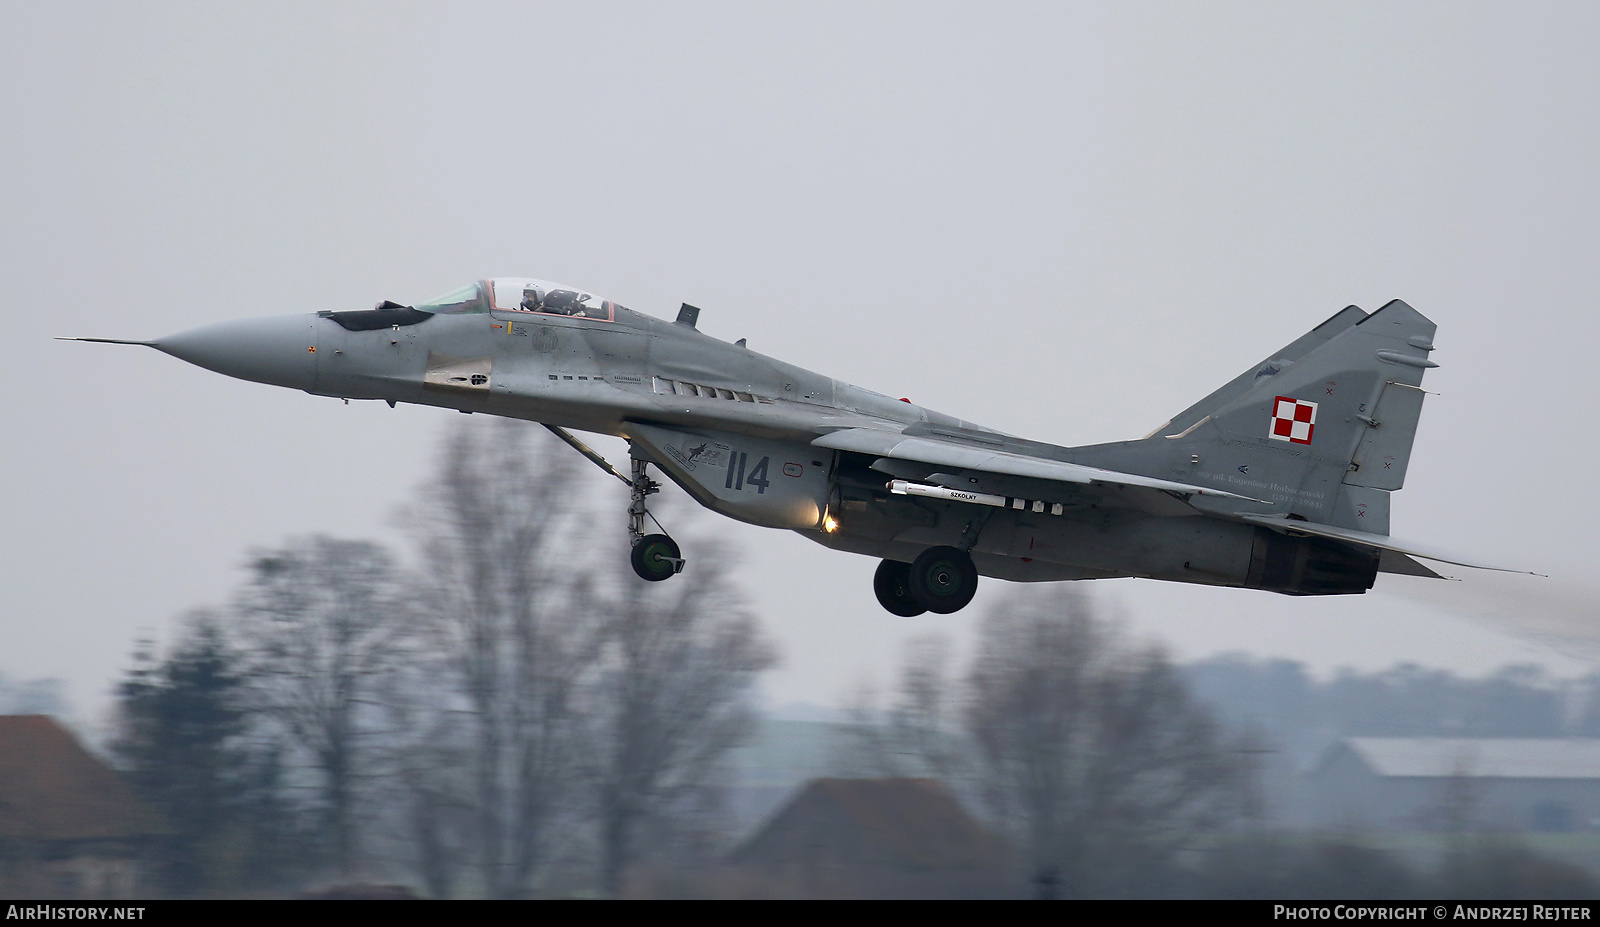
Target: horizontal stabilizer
{"x":966,"y":457}
{"x":1402,"y":565}
{"x":1380,"y":541}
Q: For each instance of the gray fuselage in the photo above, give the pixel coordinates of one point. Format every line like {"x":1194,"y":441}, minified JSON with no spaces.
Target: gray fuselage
{"x":635,"y":371}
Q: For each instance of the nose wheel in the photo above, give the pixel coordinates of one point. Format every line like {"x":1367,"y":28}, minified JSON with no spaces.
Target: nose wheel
{"x":654,"y":557}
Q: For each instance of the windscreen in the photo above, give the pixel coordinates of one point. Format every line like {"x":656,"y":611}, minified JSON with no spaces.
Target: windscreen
{"x":469,"y":298}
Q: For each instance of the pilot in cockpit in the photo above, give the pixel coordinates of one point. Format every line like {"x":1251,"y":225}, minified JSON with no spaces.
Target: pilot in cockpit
{"x":564,"y":302}
{"x":532,"y":299}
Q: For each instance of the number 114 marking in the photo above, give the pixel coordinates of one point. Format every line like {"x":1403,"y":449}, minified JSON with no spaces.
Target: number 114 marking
{"x":738,"y":478}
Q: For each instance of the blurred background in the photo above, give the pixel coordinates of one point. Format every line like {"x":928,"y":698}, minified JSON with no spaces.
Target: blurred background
{"x":1064,"y":221}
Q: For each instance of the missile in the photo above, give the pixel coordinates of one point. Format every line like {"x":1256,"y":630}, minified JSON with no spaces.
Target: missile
{"x":907,"y":488}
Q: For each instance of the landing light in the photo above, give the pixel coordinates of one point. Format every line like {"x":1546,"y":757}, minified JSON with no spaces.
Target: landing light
{"x":829,"y":524}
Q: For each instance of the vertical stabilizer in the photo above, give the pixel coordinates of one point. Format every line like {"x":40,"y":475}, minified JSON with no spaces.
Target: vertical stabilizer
{"x":1323,"y":429}
{"x":1277,"y":361}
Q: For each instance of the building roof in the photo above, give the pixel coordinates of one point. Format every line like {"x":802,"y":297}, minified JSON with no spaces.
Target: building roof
{"x":1479,"y":757}
{"x":899,"y":823}
{"x":51,"y":788}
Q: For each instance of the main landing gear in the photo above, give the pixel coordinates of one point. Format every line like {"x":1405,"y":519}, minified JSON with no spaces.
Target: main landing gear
{"x":892,"y":583}
{"x":941,"y":580}
{"x":655,"y":557}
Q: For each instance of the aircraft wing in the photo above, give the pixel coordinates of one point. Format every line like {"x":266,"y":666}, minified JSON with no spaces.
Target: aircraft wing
{"x":966,"y":457}
{"x":1380,"y":541}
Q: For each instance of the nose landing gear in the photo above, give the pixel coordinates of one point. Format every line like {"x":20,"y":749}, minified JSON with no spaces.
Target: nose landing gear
{"x":654,"y":557}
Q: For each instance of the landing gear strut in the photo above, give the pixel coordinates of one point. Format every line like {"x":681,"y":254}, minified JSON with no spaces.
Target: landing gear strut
{"x":655,"y":557}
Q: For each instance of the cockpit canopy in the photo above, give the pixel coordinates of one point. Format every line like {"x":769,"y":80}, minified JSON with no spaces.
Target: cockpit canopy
{"x":458,"y":301}
{"x":522,"y":294}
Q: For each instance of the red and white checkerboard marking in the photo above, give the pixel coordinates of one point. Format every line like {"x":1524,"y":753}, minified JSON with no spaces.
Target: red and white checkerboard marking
{"x":1292,"y":420}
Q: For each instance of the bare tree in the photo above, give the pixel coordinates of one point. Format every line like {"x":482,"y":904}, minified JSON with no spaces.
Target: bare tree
{"x":182,"y":738}
{"x":503,"y":582}
{"x":319,"y":622}
{"x":680,"y":661}
{"x":1091,"y":752}
{"x":431,"y":820}
{"x":918,"y":735}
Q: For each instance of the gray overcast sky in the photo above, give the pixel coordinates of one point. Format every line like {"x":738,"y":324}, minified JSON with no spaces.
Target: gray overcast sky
{"x":1066,"y":221}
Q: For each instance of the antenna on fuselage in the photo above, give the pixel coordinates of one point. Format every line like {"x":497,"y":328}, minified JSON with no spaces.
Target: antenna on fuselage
{"x":688,"y":315}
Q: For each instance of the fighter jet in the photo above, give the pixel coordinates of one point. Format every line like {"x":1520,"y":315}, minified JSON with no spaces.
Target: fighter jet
{"x":1278,"y":480}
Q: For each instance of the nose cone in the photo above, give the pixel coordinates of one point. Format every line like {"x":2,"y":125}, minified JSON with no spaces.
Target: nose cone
{"x":280,"y":350}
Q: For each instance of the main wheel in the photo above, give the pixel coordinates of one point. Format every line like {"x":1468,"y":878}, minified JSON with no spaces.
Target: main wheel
{"x":943,"y":579}
{"x":892,"y":583}
{"x":655,"y":557}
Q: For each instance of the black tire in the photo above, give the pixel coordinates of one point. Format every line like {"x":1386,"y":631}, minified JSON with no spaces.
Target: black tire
{"x":943,"y":579}
{"x":648,"y":556}
{"x":892,"y":583}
